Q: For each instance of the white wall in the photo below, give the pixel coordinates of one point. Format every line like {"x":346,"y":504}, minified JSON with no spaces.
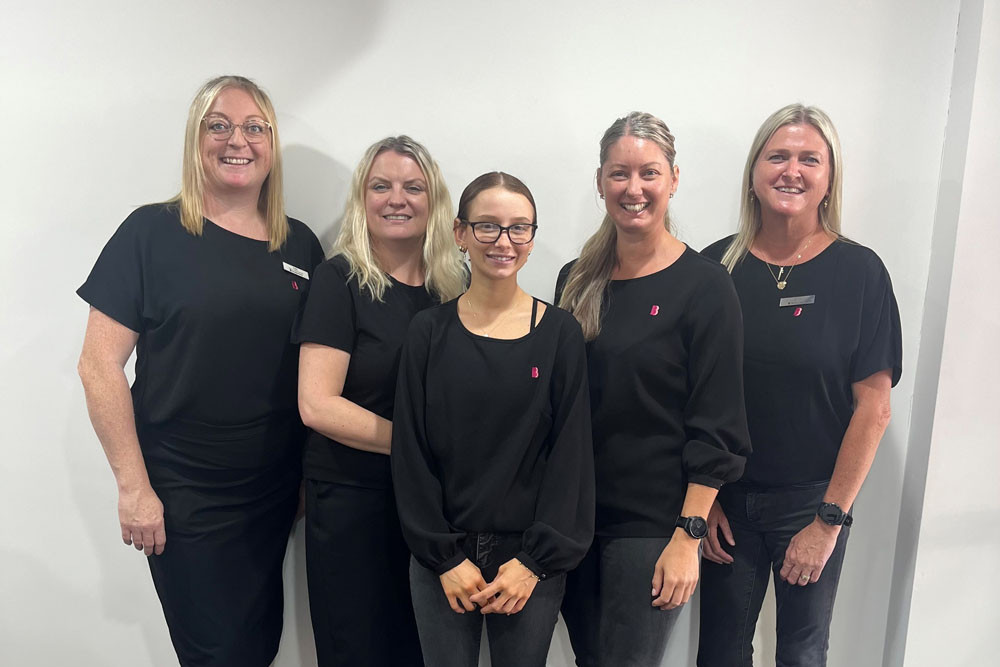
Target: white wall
{"x":959,"y":546}
{"x":95,"y":96}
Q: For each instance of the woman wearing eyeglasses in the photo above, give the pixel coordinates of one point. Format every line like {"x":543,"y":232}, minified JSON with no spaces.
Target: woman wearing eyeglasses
{"x":205,"y":448}
{"x":665,"y":367}
{"x":491,"y":454}
{"x":393,"y":258}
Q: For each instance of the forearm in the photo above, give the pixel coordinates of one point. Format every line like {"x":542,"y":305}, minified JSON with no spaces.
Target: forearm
{"x":348,"y":423}
{"x":857,"y":451}
{"x":109,"y":404}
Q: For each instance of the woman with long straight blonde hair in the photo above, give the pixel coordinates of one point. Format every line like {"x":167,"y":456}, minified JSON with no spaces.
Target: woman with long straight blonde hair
{"x":664,"y":358}
{"x":823,"y":350}
{"x":393,"y":258}
{"x":205,"y":449}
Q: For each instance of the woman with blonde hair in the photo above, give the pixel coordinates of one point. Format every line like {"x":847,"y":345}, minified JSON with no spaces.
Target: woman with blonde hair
{"x":394,"y":257}
{"x":664,"y":359}
{"x":205,"y":448}
{"x":822,"y":351}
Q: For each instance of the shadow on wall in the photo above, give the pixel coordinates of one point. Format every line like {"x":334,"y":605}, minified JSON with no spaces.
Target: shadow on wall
{"x":316,"y":187}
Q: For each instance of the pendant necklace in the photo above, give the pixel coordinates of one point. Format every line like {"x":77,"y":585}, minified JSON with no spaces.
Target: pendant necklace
{"x":496,"y":323}
{"x":781,"y":269}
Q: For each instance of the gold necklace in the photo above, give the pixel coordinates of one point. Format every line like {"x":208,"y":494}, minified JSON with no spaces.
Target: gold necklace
{"x":781,"y":270}
{"x":496,"y":323}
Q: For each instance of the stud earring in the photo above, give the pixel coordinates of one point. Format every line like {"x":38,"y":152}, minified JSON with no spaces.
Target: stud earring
{"x":750,"y":194}
{"x":462,"y":249}
{"x":671,"y":195}
{"x":602,"y":196}
{"x":826,"y":201}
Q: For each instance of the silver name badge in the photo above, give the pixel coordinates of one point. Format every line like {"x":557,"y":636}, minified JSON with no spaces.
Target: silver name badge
{"x":796,"y":300}
{"x":296,"y":270}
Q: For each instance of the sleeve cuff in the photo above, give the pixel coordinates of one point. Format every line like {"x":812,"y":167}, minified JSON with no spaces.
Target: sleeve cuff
{"x":532,"y":565}
{"x":705,"y":480}
{"x":452,"y":562}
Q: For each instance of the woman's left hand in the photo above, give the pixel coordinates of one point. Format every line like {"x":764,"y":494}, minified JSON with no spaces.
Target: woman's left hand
{"x":808,"y":552}
{"x":675,"y":574}
{"x":508,"y":593}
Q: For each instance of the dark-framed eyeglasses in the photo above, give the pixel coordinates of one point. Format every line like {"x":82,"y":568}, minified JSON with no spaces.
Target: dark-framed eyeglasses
{"x":221,"y":128}
{"x":489,"y":232}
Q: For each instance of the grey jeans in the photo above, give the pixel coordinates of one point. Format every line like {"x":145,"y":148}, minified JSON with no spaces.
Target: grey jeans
{"x":449,"y":639}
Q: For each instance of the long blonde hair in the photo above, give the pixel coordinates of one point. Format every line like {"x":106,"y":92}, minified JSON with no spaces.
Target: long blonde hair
{"x":583,"y":293}
{"x":444,"y":274}
{"x":750,"y":216}
{"x":271,"y":202}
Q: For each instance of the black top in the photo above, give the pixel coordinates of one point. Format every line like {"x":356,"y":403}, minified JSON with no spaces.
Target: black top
{"x":339,"y":314}
{"x":493,"y":435}
{"x":801,"y":359}
{"x":213,"y":313}
{"x":666,"y":392}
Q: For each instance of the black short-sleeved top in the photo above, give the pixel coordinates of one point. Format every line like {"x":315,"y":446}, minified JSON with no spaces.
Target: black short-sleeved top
{"x":666,"y":393}
{"x":801,"y":359}
{"x":340,"y":314}
{"x":493,"y":435}
{"x":213,"y":312}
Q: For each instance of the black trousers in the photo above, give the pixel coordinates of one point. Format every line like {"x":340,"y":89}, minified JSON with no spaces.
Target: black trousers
{"x":229,"y":499}
{"x":357,"y":565}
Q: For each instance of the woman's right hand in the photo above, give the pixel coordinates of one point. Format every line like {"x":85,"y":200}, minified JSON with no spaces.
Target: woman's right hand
{"x":459,"y":583}
{"x":140,"y":513}
{"x":711,"y":548}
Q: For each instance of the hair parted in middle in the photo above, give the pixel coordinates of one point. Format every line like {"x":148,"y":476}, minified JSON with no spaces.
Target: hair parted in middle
{"x":583,"y":293}
{"x":444,"y":272}
{"x":488,"y":181}
{"x":750,"y":215}
{"x":190,"y":199}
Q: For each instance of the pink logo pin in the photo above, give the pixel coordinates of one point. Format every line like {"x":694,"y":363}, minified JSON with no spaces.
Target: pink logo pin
{"x":798,"y":311}
{"x":295,"y":285}
{"x":534,"y":371}
{"x":654,"y":310}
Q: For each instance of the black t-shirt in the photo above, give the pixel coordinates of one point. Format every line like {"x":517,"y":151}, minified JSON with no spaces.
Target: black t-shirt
{"x":339,"y":314}
{"x":493,"y":435}
{"x":213,"y":313}
{"x":666,"y":393}
{"x":801,"y":359}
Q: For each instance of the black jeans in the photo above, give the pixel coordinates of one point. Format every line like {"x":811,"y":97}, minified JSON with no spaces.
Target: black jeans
{"x":449,"y":639}
{"x":763,"y":521}
{"x":608,"y":605}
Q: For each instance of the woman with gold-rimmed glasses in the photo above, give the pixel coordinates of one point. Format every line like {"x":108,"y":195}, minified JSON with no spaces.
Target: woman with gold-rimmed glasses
{"x":491,"y":455}
{"x":206,"y":447}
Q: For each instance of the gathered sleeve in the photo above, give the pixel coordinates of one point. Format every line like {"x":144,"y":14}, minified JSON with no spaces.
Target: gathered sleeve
{"x":718,"y":441}
{"x":415,"y":475}
{"x":563,"y":528}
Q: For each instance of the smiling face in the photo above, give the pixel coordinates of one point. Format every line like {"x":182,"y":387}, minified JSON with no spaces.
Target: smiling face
{"x":234,"y":164}
{"x":792,"y":173}
{"x":396,"y":201}
{"x":501,"y":259}
{"x":636,"y":181}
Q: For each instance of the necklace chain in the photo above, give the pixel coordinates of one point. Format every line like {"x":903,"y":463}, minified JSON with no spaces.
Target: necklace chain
{"x":781,"y":269}
{"x":496,"y":323}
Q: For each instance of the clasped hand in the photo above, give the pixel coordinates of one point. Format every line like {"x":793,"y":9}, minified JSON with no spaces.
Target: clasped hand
{"x":464,"y":587}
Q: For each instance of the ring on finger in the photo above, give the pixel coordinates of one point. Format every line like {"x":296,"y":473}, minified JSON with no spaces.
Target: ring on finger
{"x":804,"y":579}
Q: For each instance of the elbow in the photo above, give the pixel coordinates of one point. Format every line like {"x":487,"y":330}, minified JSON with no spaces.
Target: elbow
{"x":884,"y":415}
{"x":306,"y":410}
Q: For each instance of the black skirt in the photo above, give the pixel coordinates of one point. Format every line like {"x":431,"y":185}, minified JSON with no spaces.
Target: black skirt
{"x":229,"y":498}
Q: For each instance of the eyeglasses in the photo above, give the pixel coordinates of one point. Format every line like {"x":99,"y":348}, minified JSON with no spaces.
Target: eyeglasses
{"x":221,"y":128}
{"x":489,"y":232}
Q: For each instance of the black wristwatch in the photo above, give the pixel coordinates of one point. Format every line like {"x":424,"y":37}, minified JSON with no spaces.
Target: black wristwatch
{"x":695,"y":526}
{"x":830,"y":513}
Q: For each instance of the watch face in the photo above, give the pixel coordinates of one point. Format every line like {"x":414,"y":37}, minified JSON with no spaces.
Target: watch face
{"x":830,"y":514}
{"x":698,"y":527}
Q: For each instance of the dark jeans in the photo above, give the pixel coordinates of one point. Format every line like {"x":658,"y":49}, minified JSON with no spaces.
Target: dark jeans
{"x":449,"y":639}
{"x":608,"y":606}
{"x":763,"y":521}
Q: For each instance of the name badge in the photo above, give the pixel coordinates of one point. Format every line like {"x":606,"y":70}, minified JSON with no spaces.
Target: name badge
{"x":296,"y":270}
{"x":796,"y":300}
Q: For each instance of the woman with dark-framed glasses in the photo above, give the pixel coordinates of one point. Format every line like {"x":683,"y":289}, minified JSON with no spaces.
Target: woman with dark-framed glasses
{"x":491,"y":455}
{"x":394,"y":257}
{"x":206,"y":447}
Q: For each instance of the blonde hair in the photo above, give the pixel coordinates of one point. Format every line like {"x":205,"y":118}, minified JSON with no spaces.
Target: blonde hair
{"x":583,"y":293}
{"x":444,"y":274}
{"x":750,"y":216}
{"x":271,"y":202}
